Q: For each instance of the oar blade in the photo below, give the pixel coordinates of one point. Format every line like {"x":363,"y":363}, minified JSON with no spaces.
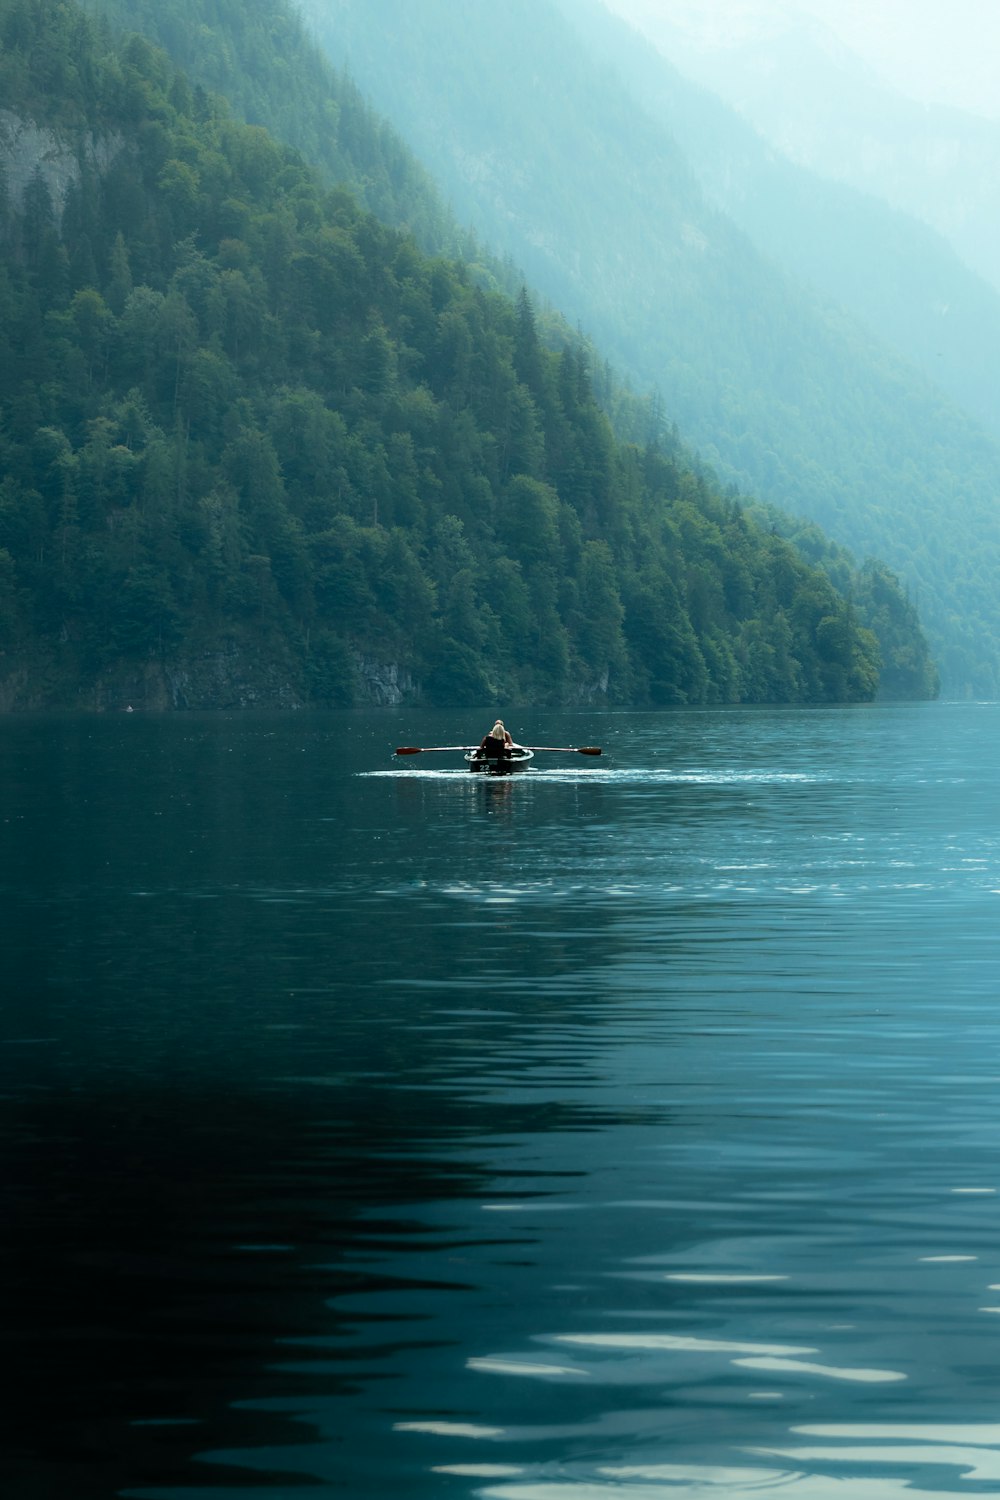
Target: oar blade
{"x":589,"y":750}
{"x":430,"y":749}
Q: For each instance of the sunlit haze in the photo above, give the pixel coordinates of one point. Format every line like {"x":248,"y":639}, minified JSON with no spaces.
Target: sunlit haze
{"x":936,"y":51}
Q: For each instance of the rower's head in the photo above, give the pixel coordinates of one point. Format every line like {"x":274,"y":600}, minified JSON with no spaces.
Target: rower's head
{"x":498,"y":730}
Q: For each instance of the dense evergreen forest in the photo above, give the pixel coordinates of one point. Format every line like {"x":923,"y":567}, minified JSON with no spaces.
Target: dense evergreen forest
{"x":785,"y":393}
{"x":257,"y":447}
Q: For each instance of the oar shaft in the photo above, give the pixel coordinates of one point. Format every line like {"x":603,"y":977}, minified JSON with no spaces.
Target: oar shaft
{"x":551,"y":749}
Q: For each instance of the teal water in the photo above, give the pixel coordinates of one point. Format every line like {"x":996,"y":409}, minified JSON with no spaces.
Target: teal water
{"x":627,"y":1128}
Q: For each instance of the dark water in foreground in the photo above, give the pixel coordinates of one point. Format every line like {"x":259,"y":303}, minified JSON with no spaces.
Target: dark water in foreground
{"x":627,"y":1130}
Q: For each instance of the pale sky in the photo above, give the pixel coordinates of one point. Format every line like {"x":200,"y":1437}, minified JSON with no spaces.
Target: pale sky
{"x":943,"y":51}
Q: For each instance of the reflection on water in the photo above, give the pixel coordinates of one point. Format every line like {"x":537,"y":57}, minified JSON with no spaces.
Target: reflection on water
{"x":619,"y":1129}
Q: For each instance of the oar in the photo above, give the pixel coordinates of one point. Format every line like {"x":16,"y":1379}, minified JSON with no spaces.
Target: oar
{"x":552,"y":749}
{"x":431,"y":749}
{"x":567,"y":749}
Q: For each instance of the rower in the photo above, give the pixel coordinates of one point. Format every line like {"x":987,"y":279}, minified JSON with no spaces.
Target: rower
{"x":497,"y":744}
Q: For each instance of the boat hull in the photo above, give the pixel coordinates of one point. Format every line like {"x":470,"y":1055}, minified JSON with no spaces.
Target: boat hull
{"x":489,"y":766}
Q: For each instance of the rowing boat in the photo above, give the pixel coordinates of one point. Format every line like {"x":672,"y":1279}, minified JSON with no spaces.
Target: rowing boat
{"x":515,"y":759}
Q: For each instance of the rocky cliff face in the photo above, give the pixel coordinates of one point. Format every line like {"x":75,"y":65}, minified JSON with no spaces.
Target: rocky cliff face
{"x":225,"y":674}
{"x":30,"y":152}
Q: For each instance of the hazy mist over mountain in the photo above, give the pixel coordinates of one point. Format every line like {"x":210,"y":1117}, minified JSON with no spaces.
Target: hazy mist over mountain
{"x":931,"y":51}
{"x":902,"y":279}
{"x":900,"y":102}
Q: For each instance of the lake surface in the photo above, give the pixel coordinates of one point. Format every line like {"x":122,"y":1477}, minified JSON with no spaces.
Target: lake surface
{"x":628,"y":1129}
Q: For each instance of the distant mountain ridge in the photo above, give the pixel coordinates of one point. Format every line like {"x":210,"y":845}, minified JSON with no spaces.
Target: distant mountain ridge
{"x":831,"y":114}
{"x":900,"y":278}
{"x":539,"y":146}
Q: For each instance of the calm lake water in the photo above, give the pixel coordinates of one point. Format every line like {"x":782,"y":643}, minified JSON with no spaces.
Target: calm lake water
{"x":628,"y":1129}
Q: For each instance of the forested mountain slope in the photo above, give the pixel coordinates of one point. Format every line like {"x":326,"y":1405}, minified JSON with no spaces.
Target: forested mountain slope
{"x":258,"y":55}
{"x":260,"y":58}
{"x":256,"y":447}
{"x":539,"y":146}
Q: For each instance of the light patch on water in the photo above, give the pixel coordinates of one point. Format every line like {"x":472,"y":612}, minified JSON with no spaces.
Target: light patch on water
{"x":492,"y":892}
{"x":976,"y":1434}
{"x":680,"y":1342}
{"x":829,"y":1372}
{"x":981,"y":1464}
{"x":693,"y":1486}
{"x":941,"y":1260}
{"x":972,"y":1192}
{"x":493,"y":1365}
{"x":596,"y":768}
{"x":450,"y":1429}
{"x":522,"y":1208}
{"x":425,"y":773}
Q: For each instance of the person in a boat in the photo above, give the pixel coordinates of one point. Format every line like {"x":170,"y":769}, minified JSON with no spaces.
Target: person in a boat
{"x":497,"y":744}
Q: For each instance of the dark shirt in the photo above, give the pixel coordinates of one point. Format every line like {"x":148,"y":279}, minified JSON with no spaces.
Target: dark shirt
{"x":493,"y":749}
